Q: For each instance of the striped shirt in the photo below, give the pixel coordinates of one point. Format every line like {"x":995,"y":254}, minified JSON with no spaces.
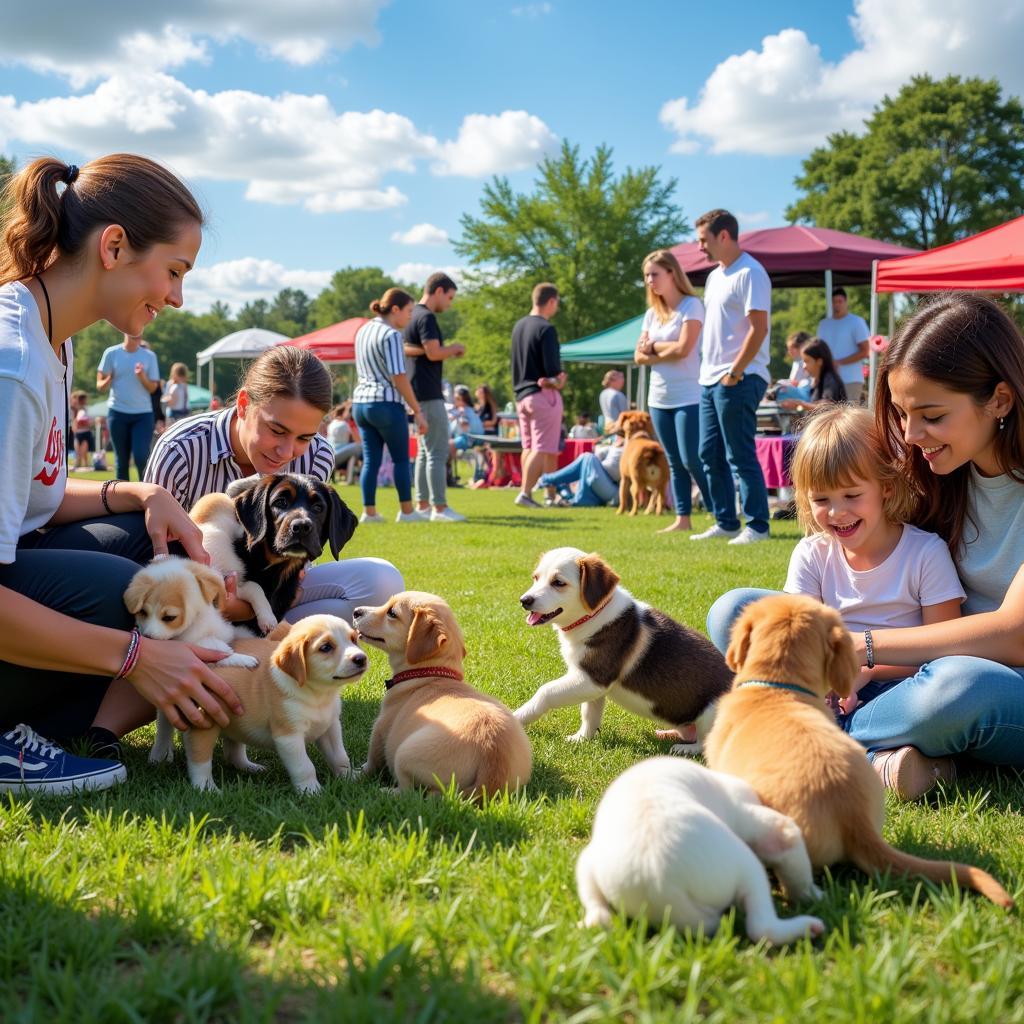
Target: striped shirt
{"x":193,"y":457}
{"x":379,"y":356}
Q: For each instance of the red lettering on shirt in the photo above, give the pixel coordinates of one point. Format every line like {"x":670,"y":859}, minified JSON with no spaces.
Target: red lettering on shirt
{"x":51,"y":460}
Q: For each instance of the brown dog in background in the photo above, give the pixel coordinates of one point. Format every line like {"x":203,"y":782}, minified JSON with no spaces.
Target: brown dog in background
{"x":774,"y":731}
{"x":644,"y":473}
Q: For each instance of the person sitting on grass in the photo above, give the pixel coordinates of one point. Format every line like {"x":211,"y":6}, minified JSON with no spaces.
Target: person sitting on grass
{"x":826,"y":385}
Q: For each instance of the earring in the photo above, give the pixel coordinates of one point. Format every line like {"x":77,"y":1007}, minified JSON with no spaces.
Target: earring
{"x":1002,"y":422}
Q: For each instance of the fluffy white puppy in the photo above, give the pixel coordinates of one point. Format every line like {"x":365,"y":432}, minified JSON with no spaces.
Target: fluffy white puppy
{"x":673,"y":837}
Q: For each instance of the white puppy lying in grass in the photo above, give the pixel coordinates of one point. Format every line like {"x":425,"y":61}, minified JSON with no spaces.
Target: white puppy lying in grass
{"x":671,"y":836}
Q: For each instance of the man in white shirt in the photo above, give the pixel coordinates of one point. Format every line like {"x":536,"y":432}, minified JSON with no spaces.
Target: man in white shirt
{"x":847,"y":337}
{"x":733,"y":377}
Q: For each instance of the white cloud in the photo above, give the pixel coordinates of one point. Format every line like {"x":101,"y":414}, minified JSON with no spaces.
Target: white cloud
{"x":532,"y":10}
{"x":421,"y":234}
{"x":784,"y":98}
{"x":417,"y":273}
{"x":245,"y":280}
{"x":495,"y":144}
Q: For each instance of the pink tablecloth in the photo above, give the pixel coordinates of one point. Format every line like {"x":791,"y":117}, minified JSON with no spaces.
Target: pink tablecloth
{"x":774,"y":453}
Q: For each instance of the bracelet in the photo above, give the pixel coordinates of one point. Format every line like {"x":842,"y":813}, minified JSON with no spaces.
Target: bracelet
{"x":134,"y":643}
{"x":869,"y":648}
{"x":107,"y":484}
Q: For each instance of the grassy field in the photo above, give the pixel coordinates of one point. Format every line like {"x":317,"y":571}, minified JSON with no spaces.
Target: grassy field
{"x":155,"y":903}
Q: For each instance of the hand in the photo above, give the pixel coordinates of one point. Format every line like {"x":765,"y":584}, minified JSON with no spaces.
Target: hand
{"x":460,"y":349}
{"x":848,"y":704}
{"x":139,"y":370}
{"x":561,"y":379}
{"x":175,"y":678}
{"x":789,"y":403}
{"x":166,"y":520}
{"x":421,"y":423}
{"x":728,"y":381}
{"x":235,"y":609}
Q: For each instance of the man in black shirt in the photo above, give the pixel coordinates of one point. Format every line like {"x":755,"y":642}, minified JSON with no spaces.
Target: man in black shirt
{"x":538,"y":379}
{"x":423,"y":346}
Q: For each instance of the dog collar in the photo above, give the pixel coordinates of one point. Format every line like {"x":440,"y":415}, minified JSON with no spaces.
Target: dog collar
{"x":587,"y":618}
{"x":779,"y":686}
{"x":425,"y":673}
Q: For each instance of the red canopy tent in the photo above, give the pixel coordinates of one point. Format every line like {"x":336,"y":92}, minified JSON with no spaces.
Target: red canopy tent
{"x":334,"y":344}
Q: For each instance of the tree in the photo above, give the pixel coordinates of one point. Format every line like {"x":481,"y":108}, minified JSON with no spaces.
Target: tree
{"x":942,"y":160}
{"x":8,"y":165}
{"x":349,"y":294}
{"x":254,"y":314}
{"x":289,"y":312}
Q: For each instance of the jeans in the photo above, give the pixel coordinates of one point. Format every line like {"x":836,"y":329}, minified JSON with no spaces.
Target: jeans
{"x":432,"y":455}
{"x":593,"y":484}
{"x":954,"y":705}
{"x":383,"y":423}
{"x":678,"y":431}
{"x":728,"y":423}
{"x":131,"y":433}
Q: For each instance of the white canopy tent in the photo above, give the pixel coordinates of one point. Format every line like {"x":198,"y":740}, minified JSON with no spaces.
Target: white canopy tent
{"x":245,"y":344}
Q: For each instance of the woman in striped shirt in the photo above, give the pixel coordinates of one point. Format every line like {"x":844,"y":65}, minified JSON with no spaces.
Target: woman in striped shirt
{"x":271,"y":428}
{"x":378,"y":406}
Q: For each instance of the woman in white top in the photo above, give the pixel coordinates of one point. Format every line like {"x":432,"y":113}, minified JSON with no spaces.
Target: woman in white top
{"x":670,"y":345}
{"x":175,"y":396}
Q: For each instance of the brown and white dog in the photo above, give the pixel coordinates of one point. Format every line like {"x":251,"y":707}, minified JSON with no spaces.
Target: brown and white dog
{"x":290,"y":700}
{"x":775,"y":731}
{"x":616,"y":647}
{"x":644,"y":472}
{"x":433,"y":726}
{"x":266,"y":529}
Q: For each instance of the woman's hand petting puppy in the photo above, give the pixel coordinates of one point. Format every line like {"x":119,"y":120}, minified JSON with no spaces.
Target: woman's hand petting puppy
{"x":236,"y":609}
{"x":166,"y":520}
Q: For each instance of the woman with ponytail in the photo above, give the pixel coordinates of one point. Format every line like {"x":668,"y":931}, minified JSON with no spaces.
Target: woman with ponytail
{"x":109,"y":241}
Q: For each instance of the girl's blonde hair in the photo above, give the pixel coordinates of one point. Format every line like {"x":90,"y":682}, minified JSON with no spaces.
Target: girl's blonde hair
{"x":667,"y":261}
{"x":179,"y":370}
{"x":839,"y":445}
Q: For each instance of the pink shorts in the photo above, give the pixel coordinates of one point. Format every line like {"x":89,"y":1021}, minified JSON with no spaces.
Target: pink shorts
{"x":540,"y":421}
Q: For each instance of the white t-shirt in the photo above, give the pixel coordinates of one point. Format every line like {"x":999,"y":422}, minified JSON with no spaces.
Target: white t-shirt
{"x":127,"y":393}
{"x":729,"y":296}
{"x":843,"y":337}
{"x":918,"y":573}
{"x":674,"y":383}
{"x":34,"y":392}
{"x":994,"y":548}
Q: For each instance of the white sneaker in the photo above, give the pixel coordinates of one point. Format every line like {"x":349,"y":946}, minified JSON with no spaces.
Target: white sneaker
{"x":447,"y":515}
{"x":714,"y":533}
{"x":375,"y":518}
{"x":415,"y":516}
{"x":526,"y":501}
{"x":749,"y":536}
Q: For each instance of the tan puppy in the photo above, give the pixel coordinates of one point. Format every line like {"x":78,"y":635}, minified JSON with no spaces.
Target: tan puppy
{"x":290,"y":700}
{"x":644,"y":472}
{"x":432,"y":725}
{"x":784,"y":742}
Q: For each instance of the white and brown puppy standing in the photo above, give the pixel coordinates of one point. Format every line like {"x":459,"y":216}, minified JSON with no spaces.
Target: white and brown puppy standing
{"x":617,"y":647}
{"x":672,"y":837}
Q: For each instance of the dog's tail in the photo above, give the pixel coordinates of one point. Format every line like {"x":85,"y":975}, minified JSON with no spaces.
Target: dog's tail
{"x":504,"y":764}
{"x":870,"y":852}
{"x":651,"y":469}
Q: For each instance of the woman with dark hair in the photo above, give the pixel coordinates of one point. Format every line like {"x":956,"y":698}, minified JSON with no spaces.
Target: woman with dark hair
{"x":487,"y":409}
{"x":826,"y":385}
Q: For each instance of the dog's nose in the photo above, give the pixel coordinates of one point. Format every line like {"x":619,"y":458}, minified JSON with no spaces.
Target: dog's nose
{"x":359,"y":660}
{"x":526,"y":600}
{"x":358,"y":613}
{"x":301,"y":527}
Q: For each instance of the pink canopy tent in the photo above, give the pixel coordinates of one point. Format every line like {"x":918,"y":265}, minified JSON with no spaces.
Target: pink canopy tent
{"x":334,"y":344}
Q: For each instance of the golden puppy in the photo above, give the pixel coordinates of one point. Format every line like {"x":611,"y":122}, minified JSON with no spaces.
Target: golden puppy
{"x":432,"y":725}
{"x":290,"y":700}
{"x":644,"y":472}
{"x":775,"y":731}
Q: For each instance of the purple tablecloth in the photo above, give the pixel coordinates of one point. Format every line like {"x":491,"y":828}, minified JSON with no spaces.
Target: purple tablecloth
{"x":774,"y":453}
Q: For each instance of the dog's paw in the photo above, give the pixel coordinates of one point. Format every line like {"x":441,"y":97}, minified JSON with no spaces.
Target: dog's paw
{"x":207,"y":786}
{"x":267,"y":623}
{"x":579,"y":737}
{"x":686,"y":749}
{"x":162,"y":755}
{"x":240,"y":661}
{"x":814,"y":893}
{"x":310,"y":788}
{"x":597,"y":917}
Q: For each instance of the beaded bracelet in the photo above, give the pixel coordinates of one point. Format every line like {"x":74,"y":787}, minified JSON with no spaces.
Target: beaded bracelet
{"x":107,"y":484}
{"x":869,"y":648}
{"x":134,"y":642}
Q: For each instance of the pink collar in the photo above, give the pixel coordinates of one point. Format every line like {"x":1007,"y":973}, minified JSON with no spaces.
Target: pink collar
{"x":425,"y":673}
{"x":587,"y":618}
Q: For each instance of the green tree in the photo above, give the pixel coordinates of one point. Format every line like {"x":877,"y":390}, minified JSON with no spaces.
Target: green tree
{"x":939,"y":161}
{"x":289,"y":312}
{"x":349,"y":294}
{"x":254,"y":314}
{"x":8,"y":165}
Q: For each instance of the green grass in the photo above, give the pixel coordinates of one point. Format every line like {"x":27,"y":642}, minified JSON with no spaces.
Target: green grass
{"x":155,"y":903}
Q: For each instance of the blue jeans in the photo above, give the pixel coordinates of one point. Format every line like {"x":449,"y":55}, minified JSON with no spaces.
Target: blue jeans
{"x":801,"y":392}
{"x":955,"y":705}
{"x":383,"y":423}
{"x":593,"y":484}
{"x":728,"y":423}
{"x":131,"y":433}
{"x":678,"y":431}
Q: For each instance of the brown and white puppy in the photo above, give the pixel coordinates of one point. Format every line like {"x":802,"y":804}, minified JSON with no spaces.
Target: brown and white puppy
{"x":433,"y":726}
{"x":785,"y":743}
{"x":644,"y":472}
{"x":617,"y":647}
{"x":290,"y":700}
{"x":266,"y":529}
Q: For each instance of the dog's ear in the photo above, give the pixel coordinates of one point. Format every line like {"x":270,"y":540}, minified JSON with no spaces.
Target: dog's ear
{"x":135,"y":595}
{"x":841,"y":665}
{"x":739,"y":643}
{"x":251,"y":511}
{"x":280,"y":631}
{"x":290,"y":656}
{"x":341,"y":523}
{"x":211,"y":584}
{"x":426,"y":636}
{"x":597,"y":580}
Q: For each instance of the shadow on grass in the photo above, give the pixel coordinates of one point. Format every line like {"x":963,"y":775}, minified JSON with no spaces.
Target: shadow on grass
{"x":64,"y":963}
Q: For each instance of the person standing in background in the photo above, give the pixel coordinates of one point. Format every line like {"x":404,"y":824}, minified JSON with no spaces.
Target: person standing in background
{"x":847,"y":337}
{"x":423,"y":345}
{"x":175,"y":396}
{"x":612,"y":399}
{"x":132,"y":374}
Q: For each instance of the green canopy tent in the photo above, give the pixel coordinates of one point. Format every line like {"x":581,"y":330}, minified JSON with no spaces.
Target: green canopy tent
{"x":614,"y":345}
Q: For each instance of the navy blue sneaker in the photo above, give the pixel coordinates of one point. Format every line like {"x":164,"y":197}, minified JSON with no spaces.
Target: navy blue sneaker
{"x":35,"y":765}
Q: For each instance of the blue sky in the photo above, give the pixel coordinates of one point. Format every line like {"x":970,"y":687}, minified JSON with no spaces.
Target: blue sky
{"x":323,"y":134}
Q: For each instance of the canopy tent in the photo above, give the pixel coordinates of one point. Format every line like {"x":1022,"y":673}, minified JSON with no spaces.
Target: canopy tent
{"x":244,"y":344}
{"x":612,"y":345}
{"x":334,"y":344}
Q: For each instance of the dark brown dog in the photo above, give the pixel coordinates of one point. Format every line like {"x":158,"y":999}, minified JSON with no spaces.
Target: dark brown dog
{"x":644,"y":467}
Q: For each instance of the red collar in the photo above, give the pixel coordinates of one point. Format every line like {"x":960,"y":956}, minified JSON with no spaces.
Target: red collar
{"x":422,"y":673}
{"x":587,"y":618}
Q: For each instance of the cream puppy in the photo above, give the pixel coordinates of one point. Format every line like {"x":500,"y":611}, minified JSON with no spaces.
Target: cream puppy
{"x":673,"y":837}
{"x":433,"y":726}
{"x":290,"y":700}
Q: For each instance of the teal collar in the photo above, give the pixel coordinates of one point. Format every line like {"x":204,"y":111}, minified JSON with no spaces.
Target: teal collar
{"x":780,"y":686}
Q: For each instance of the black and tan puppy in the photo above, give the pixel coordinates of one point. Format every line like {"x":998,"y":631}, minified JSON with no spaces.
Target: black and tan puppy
{"x":266,"y":529}
{"x":616,"y":647}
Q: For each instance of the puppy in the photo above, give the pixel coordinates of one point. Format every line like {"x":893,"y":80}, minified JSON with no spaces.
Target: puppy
{"x":615,"y":646}
{"x":672,"y":837}
{"x":433,"y":726}
{"x":775,"y":731}
{"x":266,"y":529}
{"x":644,"y":472}
{"x":290,"y":700}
